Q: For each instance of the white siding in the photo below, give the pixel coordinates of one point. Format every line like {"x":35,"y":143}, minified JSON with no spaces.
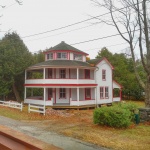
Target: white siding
{"x":71,"y":56}
{"x":84,"y":58}
{"x":103,"y":65}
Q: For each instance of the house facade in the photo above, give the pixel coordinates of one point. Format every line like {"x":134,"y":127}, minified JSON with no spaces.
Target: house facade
{"x":65,"y":78}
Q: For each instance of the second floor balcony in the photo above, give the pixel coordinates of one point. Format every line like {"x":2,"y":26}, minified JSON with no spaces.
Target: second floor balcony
{"x":60,"y":76}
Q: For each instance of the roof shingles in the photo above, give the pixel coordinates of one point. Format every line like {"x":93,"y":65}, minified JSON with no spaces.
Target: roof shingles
{"x":62,"y":63}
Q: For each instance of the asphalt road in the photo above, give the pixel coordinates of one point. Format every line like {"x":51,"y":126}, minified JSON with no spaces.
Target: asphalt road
{"x":66,"y":143}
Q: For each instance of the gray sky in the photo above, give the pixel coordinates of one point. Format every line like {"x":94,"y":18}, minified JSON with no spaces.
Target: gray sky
{"x":40,"y":16}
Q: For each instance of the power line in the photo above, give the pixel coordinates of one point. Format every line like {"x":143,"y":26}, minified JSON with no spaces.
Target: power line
{"x":63,"y":27}
{"x":60,"y":33}
{"x":101,"y":38}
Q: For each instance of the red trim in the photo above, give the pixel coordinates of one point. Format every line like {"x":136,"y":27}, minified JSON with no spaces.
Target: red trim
{"x":60,"y":85}
{"x":87,"y":73}
{"x":87,"y":98}
{"x":69,"y":74}
{"x":50,"y":73}
{"x":70,"y":93}
{"x":66,"y":51}
{"x":55,"y":73}
{"x":60,"y":73}
{"x":50,"y":90}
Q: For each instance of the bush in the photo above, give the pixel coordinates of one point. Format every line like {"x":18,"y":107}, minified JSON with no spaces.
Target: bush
{"x":115,"y":116}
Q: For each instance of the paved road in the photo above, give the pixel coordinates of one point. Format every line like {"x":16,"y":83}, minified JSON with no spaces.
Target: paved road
{"x":64,"y":142}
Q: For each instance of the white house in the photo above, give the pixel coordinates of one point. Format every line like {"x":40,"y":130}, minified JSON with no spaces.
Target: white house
{"x":65,"y":78}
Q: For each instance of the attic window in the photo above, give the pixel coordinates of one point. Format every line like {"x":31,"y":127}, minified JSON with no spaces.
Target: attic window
{"x":49,"y":56}
{"x":77,"y":57}
{"x":61,"y":55}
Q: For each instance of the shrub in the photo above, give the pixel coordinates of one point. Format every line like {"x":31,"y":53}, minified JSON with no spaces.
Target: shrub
{"x":114,"y":116}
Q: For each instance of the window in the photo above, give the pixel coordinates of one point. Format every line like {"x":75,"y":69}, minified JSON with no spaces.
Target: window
{"x":77,"y":57}
{"x":50,"y":56}
{"x":87,"y":93}
{"x":61,"y":55}
{"x":62,"y":93}
{"x":104,"y":92}
{"x":103,"y":74}
{"x":50,"y":93}
{"x":62,"y":73}
{"x":50,"y":73}
{"x":87,"y":74}
{"x":101,"y":92}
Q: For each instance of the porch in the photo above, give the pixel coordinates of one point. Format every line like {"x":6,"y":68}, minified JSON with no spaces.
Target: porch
{"x":56,"y":97}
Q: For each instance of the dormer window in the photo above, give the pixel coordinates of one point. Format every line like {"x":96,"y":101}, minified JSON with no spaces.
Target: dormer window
{"x":77,"y":57}
{"x":49,"y":56}
{"x":61,"y":55}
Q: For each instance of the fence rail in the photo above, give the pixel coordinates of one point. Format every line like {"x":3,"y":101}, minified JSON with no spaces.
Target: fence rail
{"x":36,"y":108}
{"x":12,"y":104}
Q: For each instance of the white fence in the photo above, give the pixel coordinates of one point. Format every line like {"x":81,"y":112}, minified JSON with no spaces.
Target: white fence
{"x":12,"y":104}
{"x":36,"y":108}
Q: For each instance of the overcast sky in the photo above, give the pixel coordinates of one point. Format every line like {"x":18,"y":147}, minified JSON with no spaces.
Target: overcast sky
{"x":43,"y":16}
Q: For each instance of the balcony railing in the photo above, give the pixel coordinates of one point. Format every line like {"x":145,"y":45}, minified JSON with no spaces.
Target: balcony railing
{"x":60,"y":81}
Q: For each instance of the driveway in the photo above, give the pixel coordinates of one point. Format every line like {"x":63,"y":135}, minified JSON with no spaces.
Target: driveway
{"x":66,"y":143}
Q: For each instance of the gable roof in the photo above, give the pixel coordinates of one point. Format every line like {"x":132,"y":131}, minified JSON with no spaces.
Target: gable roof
{"x":66,"y":47}
{"x":98,"y":60}
{"x":61,"y":63}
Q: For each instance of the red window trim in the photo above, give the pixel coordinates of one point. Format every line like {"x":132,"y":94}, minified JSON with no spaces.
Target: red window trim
{"x":49,"y":97}
{"x":61,"y":55}
{"x":104,"y":73}
{"x":87,"y":98}
{"x":59,"y":94}
{"x":50,"y":70}
{"x":60,"y":73}
{"x":85,"y":74}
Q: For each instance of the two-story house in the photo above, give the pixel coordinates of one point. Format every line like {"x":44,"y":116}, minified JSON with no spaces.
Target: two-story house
{"x":65,"y":78}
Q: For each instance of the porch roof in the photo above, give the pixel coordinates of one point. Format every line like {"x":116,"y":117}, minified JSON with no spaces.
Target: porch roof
{"x":61,"y":63}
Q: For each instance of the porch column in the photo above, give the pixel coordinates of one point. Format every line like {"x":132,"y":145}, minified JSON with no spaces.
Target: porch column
{"x":78,"y":95}
{"x":44,"y":73}
{"x":77,"y":74}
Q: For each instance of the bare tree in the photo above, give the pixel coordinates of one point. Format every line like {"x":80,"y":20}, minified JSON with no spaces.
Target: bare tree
{"x":130,"y":18}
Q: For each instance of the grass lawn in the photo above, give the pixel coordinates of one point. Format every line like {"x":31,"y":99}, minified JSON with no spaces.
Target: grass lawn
{"x":79,"y":124}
